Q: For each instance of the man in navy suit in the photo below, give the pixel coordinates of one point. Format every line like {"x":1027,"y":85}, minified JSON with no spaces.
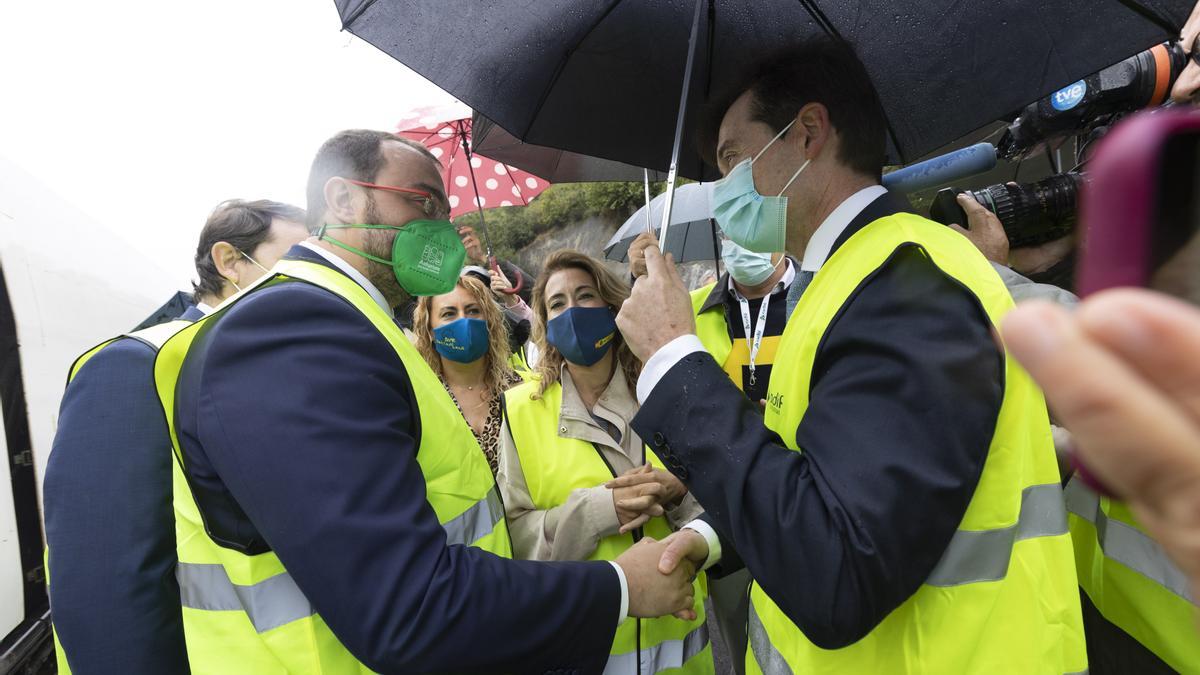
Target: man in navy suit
{"x":300,"y":430}
{"x":109,"y":522}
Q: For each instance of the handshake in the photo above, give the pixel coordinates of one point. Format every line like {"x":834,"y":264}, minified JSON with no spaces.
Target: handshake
{"x":660,"y":574}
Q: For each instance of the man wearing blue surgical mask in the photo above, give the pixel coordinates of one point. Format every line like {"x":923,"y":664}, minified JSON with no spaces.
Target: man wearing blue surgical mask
{"x":898,"y":505}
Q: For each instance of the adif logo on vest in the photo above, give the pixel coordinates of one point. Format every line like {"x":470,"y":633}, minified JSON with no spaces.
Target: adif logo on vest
{"x":776,"y":402}
{"x":431,"y":259}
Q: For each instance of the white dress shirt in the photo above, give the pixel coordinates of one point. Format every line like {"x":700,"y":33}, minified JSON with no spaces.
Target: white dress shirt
{"x":354,"y":274}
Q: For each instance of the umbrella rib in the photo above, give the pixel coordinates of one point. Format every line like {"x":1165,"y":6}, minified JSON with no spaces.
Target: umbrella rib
{"x":828,"y":27}
{"x":1152,"y":16}
{"x":562,"y":63}
{"x":357,"y":13}
{"x":821,"y":19}
{"x":524,"y":202}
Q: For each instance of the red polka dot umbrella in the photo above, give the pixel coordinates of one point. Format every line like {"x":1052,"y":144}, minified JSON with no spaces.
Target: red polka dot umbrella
{"x":446,"y":131}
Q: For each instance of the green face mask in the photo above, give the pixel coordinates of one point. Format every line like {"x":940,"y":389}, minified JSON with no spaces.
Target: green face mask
{"x":427,"y":255}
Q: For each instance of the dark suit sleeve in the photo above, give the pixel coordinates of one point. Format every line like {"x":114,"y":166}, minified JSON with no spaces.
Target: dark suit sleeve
{"x":906,"y":391}
{"x":109,"y":522}
{"x":306,"y":414}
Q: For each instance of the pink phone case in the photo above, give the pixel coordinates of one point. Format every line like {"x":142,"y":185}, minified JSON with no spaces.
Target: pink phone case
{"x":1119,"y":204}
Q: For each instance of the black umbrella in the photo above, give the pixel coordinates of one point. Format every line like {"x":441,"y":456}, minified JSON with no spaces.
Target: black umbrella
{"x":603,"y":78}
{"x":557,"y":166}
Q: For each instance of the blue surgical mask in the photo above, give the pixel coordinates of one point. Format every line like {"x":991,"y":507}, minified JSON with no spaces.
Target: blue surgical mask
{"x":751,"y":220}
{"x":583,"y":335}
{"x":463,"y":340}
{"x":746,"y":267}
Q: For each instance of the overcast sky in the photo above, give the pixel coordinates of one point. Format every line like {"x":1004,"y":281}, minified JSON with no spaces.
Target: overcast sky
{"x":147,"y":114}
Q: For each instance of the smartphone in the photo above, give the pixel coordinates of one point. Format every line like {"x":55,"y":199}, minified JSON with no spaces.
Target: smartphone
{"x":1141,"y":209}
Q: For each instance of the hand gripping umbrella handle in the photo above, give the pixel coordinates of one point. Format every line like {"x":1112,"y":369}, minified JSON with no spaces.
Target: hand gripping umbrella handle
{"x":517,"y":285}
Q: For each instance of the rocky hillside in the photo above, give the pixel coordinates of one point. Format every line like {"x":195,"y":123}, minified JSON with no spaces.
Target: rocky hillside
{"x":589,"y":236}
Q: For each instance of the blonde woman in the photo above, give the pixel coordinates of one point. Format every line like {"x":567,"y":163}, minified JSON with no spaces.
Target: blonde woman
{"x":566,"y":433}
{"x":464,"y":339}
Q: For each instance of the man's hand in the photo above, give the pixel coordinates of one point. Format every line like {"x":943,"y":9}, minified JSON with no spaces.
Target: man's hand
{"x":687,"y":546}
{"x":985,"y":230}
{"x":658,"y":310}
{"x":1123,"y":374}
{"x":637,"y":253}
{"x":652,"y":593}
{"x":471,"y":242}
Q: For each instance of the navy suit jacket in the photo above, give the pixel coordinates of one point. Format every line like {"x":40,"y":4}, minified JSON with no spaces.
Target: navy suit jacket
{"x":109,"y":521}
{"x":300,"y":431}
{"x":904,"y":396}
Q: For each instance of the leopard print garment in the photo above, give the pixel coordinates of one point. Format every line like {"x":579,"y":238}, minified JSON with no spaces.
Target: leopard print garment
{"x":489,"y":438}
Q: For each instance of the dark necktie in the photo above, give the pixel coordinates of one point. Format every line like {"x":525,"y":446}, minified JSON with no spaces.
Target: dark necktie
{"x":799,"y":284}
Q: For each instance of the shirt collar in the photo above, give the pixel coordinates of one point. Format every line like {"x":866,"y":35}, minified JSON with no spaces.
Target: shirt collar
{"x":354,"y":274}
{"x":204,"y":307}
{"x":827,"y":234}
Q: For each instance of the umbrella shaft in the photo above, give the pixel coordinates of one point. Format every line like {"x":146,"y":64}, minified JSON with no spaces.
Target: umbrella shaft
{"x":672,"y":174}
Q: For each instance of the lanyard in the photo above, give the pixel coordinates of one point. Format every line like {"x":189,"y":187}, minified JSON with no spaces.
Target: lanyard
{"x":753,"y":343}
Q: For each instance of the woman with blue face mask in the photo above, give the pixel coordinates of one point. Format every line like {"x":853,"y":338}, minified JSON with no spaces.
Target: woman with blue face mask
{"x":566,"y":434}
{"x":464,"y":339}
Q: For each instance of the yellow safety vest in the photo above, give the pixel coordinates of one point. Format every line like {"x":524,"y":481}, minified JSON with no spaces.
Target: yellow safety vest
{"x":244,"y":613}
{"x":554,"y":466}
{"x":711,"y":328}
{"x":1003,"y":598}
{"x":1130,"y":579}
{"x":153,"y":337}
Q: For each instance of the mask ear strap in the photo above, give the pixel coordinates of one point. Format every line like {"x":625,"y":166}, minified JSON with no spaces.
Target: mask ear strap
{"x":772,"y":141}
{"x":794,"y":176}
{"x":258,"y":264}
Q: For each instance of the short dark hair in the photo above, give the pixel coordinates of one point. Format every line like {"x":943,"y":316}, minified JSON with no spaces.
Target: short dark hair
{"x":354,"y":153}
{"x":821,"y":70}
{"x":243,"y":225}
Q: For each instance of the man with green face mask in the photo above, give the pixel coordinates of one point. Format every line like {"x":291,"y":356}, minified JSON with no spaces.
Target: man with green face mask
{"x":335,"y":512}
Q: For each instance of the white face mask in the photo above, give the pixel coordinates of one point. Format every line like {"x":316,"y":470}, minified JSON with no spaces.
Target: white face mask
{"x":752,"y":221}
{"x":747,"y":267}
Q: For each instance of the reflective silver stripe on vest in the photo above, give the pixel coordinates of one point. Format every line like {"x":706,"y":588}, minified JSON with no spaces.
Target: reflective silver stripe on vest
{"x":983,"y":555}
{"x":270,"y":603}
{"x":769,"y":660}
{"x":662,"y":656}
{"x":476,"y":522}
{"x":1127,"y":544}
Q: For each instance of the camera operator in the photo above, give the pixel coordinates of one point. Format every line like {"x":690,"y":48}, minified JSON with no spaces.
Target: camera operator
{"x":1122,"y":373}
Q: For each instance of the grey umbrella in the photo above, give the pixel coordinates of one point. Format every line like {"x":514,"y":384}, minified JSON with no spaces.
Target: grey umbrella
{"x":691,"y":235}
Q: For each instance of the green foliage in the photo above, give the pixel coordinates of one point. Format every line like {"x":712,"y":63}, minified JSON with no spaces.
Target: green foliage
{"x":512,"y":228}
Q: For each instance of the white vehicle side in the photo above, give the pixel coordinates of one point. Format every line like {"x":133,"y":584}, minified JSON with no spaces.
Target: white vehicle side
{"x":70,"y":284}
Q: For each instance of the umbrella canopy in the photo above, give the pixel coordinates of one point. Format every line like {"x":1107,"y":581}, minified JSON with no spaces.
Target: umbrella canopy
{"x":603,"y":78}
{"x":692,"y":232}
{"x":556,"y":166}
{"x":444,"y":130}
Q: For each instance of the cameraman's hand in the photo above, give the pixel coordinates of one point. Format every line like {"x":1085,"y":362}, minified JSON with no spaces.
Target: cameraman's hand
{"x":1123,"y":374}
{"x":637,"y":253}
{"x":652,"y":593}
{"x":985,"y":230}
{"x":1187,"y":85}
